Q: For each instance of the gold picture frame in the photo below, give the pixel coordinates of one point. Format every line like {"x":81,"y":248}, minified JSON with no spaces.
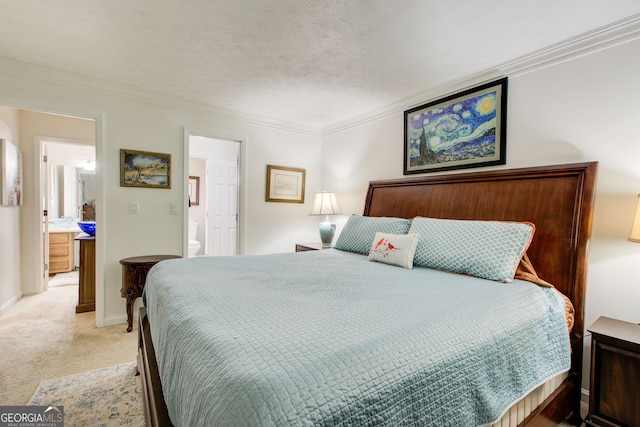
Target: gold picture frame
{"x":145,"y":169}
{"x":285,"y":184}
{"x":194,"y":190}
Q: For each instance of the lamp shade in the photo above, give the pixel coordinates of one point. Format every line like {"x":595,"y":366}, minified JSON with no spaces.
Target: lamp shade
{"x":324,"y":203}
{"x":635,"y":228}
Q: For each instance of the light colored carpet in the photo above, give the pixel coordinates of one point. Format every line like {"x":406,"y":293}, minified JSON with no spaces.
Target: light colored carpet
{"x":104,"y":397}
{"x":64,"y":279}
{"x":42,"y":337}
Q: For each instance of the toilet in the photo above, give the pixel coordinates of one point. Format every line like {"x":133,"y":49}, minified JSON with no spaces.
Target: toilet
{"x":194,"y":244}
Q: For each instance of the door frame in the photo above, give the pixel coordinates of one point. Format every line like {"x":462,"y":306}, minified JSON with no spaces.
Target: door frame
{"x":43,"y":185}
{"x":222,"y":135}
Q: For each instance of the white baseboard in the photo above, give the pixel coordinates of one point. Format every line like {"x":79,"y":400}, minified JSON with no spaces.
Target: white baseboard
{"x":122,"y":318}
{"x":115,"y":320}
{"x":10,"y":303}
{"x":584,"y":396}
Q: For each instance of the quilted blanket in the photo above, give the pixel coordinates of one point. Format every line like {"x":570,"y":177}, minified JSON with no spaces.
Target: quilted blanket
{"x":329,"y":338}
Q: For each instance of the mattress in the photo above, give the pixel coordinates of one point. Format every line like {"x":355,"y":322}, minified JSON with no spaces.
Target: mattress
{"x":329,"y":338}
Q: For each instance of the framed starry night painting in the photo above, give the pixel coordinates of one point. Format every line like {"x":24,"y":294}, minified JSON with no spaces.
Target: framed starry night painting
{"x":464,"y":130}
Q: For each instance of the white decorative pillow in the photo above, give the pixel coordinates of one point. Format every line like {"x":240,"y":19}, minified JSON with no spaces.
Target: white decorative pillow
{"x":487,"y":249}
{"x":394,"y":249}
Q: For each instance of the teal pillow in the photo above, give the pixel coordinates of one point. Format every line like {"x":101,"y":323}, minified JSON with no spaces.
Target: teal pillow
{"x":359,"y":231}
{"x":487,"y":249}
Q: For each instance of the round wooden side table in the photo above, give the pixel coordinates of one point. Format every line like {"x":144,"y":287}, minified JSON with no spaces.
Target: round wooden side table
{"x":134,"y":277}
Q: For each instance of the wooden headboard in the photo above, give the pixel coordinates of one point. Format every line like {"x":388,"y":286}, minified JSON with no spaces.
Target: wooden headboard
{"x":557,"y":199}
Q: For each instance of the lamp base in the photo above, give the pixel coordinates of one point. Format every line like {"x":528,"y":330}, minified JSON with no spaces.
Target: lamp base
{"x":327,"y":230}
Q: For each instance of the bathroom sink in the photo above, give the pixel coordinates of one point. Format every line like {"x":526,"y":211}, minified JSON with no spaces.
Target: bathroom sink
{"x":88,"y":227}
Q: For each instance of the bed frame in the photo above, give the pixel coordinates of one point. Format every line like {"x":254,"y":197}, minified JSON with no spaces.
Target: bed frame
{"x":559,"y":200}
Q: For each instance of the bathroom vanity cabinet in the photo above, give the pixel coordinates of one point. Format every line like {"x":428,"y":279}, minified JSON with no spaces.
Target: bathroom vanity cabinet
{"x":60,"y":252}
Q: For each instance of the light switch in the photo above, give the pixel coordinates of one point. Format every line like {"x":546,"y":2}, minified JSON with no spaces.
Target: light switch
{"x":134,"y":207}
{"x":174,"y":209}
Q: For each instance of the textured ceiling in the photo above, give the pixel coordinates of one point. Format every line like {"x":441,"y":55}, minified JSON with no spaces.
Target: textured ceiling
{"x":314,"y":63}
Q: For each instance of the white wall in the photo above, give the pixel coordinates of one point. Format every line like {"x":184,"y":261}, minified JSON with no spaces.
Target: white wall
{"x":10,"y":279}
{"x":582,"y":110}
{"x":143,"y":122}
{"x":71,"y":154}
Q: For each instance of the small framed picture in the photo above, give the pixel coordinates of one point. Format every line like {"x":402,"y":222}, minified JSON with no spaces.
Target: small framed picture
{"x":11,"y":170}
{"x":464,"y":130}
{"x":194,"y":190}
{"x":285,"y":184}
{"x":145,"y":169}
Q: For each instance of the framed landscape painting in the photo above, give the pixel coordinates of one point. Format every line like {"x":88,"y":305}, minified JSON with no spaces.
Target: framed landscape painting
{"x":145,"y":169}
{"x":464,"y":130}
{"x":285,"y":184}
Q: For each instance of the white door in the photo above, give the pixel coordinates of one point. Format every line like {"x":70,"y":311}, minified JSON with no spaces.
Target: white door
{"x":222,"y":208}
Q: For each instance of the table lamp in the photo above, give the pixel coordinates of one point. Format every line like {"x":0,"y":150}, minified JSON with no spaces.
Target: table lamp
{"x":325,"y":204}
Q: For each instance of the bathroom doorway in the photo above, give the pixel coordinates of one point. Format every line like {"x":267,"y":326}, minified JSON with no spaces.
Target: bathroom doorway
{"x":69,"y":195}
{"x":214,"y":197}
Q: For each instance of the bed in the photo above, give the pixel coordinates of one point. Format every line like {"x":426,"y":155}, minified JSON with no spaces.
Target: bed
{"x":341,"y":375}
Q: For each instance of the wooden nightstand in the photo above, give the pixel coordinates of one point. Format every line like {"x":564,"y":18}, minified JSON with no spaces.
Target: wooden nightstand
{"x":134,"y":277}
{"x":614,"y":399}
{"x":303,"y":247}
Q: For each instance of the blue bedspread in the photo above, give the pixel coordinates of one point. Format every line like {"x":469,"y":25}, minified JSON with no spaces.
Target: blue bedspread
{"x":329,"y":338}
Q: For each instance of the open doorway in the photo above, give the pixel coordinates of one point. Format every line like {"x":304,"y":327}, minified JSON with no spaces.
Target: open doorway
{"x":69,"y":192}
{"x":29,"y":123}
{"x":214,"y":190}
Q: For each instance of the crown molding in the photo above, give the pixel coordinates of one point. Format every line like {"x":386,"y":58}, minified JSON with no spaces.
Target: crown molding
{"x":599,"y":39}
{"x":23,"y":70}
{"x":594,"y":41}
